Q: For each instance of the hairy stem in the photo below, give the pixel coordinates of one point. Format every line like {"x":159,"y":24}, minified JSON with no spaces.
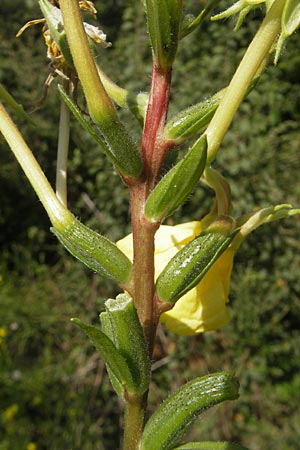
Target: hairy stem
{"x":133,"y":423}
{"x":153,"y":144}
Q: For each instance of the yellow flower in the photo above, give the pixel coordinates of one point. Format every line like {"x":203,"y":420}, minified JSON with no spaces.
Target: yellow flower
{"x":3,"y":332}
{"x":31,"y":446}
{"x":203,"y":308}
{"x":10,"y":412}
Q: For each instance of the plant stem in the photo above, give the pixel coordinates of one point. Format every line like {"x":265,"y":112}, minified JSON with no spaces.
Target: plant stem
{"x":100,"y":106}
{"x":57,"y":213}
{"x":153,"y":144}
{"x":153,"y":150}
{"x":133,"y":423}
{"x":63,"y":150}
{"x":254,"y":57}
{"x":143,"y":262}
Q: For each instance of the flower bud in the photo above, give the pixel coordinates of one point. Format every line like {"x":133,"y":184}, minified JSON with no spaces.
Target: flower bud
{"x":121,"y":324}
{"x":191,"y":263}
{"x":95,"y":251}
{"x":173,"y":417}
{"x":177,"y":184}
{"x":164,"y":18}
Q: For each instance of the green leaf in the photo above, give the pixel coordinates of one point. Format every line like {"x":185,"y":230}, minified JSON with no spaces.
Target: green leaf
{"x":177,"y":184}
{"x":172,"y":419}
{"x":210,"y":446}
{"x":113,"y":142}
{"x":17,"y":107}
{"x":190,"y":264}
{"x":121,"y":324}
{"x":164,"y":18}
{"x":115,"y":362}
{"x":95,"y":251}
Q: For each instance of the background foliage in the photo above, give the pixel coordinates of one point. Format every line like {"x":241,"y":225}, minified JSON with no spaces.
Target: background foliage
{"x":54,"y":392}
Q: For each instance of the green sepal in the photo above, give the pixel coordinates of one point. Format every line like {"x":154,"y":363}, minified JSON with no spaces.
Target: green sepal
{"x":164,"y":17}
{"x":177,"y":184}
{"x":121,"y":324}
{"x":190,"y":264}
{"x":95,"y":251}
{"x":55,"y":25}
{"x":174,"y":416}
{"x":210,"y":446}
{"x":106,"y":327}
{"x":114,"y":361}
{"x":192,"y":120}
{"x":112,"y":141}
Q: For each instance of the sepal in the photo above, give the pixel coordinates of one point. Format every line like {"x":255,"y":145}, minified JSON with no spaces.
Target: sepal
{"x":177,"y":184}
{"x":174,"y":416}
{"x":121,"y":324}
{"x":190,"y":264}
{"x":95,"y":251}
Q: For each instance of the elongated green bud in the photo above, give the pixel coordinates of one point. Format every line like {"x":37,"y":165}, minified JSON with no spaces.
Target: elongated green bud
{"x":121,"y":324}
{"x":164,"y":18}
{"x":125,"y":157}
{"x":192,"y":120}
{"x":210,"y":446}
{"x":114,"y":361}
{"x":177,"y":184}
{"x":190,"y":264}
{"x":95,"y":251}
{"x":173,"y":417}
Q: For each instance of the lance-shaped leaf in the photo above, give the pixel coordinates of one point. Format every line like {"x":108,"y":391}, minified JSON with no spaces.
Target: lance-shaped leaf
{"x":177,"y":184}
{"x":173,"y":417}
{"x":190,"y":264}
{"x":95,"y":251}
{"x":210,"y":446}
{"x":163,"y":19}
{"x":55,"y":25}
{"x":17,"y":107}
{"x":121,"y":324}
{"x":192,"y":120}
{"x":114,"y":361}
{"x":124,"y":157}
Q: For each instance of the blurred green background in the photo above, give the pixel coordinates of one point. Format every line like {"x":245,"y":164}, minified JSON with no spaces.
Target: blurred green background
{"x":54,"y":391}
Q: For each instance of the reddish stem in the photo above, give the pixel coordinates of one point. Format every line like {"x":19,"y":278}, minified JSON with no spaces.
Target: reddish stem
{"x":153,"y":144}
{"x":153,"y":151}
